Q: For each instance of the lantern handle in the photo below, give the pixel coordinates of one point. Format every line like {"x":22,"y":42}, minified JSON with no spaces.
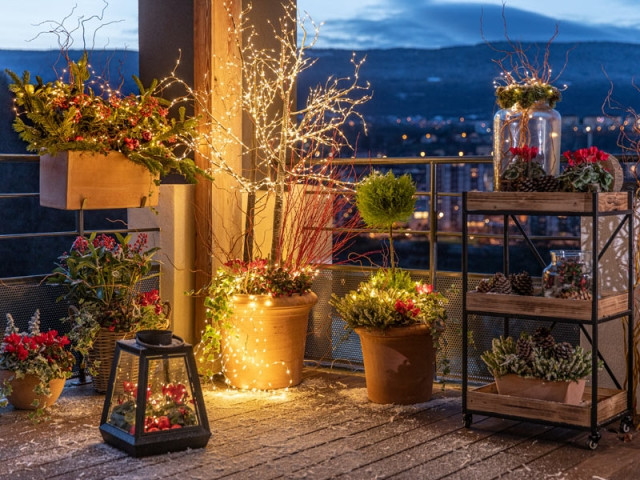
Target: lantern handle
{"x":176,"y":341}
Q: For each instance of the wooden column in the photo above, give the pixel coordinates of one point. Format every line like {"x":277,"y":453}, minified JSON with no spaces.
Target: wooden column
{"x":217,"y":205}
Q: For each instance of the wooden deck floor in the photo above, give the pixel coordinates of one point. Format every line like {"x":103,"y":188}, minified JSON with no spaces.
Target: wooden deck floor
{"x":325,"y":428}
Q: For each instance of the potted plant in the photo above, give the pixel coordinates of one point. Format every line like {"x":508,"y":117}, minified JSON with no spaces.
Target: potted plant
{"x":75,"y":121}
{"x":525,"y":174}
{"x":102,"y":275}
{"x":587,"y":171}
{"x":535,"y":366}
{"x":33,"y":366}
{"x":289,"y":196}
{"x":399,"y":321}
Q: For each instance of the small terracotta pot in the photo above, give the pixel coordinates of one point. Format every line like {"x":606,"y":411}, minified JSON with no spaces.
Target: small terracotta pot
{"x":563,"y":392}
{"x":22,"y":394}
{"x":265,"y":347}
{"x":399,"y":364}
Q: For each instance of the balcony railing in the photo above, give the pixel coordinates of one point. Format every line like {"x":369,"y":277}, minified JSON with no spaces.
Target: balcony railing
{"x":440,"y":180}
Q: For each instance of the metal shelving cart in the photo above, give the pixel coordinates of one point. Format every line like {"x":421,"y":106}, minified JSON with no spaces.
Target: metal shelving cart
{"x":600,"y":406}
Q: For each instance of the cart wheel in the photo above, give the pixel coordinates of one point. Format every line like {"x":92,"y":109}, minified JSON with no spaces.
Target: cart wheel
{"x":593,"y":441}
{"x":625,"y":424}
{"x":467,"y":418}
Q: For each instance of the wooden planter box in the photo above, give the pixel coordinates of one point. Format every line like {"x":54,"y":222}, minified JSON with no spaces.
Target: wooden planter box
{"x":546,"y":307}
{"x":545,"y":202}
{"x":564,"y":392}
{"x":486,"y":399}
{"x":92,"y":181}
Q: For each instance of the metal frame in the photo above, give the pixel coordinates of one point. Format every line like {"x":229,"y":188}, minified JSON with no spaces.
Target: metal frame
{"x":595,"y":215}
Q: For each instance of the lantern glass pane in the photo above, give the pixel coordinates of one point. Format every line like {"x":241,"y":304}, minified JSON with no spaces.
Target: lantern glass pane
{"x":170,"y":401}
{"x":122,"y":412}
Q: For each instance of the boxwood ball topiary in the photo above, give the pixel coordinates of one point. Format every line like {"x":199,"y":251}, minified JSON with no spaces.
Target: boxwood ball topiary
{"x":383,"y":200}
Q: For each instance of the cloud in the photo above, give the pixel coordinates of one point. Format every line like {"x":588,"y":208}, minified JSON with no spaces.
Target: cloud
{"x":433,"y":25}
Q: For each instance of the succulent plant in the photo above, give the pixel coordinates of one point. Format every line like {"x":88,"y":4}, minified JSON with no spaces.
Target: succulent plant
{"x":538,"y":356}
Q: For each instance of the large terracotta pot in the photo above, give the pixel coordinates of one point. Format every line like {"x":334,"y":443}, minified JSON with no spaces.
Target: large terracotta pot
{"x":264,"y":349}
{"x":564,"y":392}
{"x":22,"y":395}
{"x":399,"y":363}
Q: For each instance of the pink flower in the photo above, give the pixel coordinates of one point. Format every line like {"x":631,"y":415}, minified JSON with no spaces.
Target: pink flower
{"x":425,"y":288}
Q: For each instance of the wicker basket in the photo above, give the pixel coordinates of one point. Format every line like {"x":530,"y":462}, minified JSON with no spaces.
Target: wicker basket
{"x":103,"y":350}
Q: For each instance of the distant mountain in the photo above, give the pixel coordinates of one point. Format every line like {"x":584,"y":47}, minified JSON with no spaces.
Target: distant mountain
{"x":115,"y":66}
{"x":449,"y":82}
{"x":458,"y":81}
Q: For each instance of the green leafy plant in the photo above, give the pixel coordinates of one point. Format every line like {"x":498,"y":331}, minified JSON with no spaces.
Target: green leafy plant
{"x":391,"y":300}
{"x":383,"y":201}
{"x":42,"y":354}
{"x":102,"y":275}
{"x":585,"y":171}
{"x":538,"y":356}
{"x":68,"y":114}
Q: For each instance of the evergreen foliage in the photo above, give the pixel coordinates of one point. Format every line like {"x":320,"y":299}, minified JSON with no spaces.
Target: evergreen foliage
{"x":390,"y":299}
{"x":531,"y":358}
{"x":69,"y":114}
{"x":383,"y":200}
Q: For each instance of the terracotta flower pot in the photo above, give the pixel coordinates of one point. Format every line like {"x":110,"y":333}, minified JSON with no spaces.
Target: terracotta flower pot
{"x":563,"y":392}
{"x":265,"y":347}
{"x":22,"y":395}
{"x":399,"y":364}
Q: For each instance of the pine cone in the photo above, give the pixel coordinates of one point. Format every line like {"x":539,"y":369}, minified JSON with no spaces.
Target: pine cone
{"x":521,"y":283}
{"x":563,"y":351}
{"x":500,"y":284}
{"x":484,"y":286}
{"x":524,"y":349}
{"x":525,"y":185}
{"x":543,"y":339}
{"x":546,"y":183}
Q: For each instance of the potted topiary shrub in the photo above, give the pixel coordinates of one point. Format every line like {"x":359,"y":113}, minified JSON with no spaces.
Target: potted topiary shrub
{"x":399,"y":321}
{"x":536,"y":366}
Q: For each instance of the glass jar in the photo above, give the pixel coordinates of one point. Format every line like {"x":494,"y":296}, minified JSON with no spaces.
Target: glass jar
{"x":537,"y":126}
{"x":568,"y":275}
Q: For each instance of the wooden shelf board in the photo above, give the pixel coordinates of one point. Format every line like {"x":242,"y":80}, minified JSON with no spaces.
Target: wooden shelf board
{"x":486,"y":399}
{"x":608,"y":305}
{"x":558,"y":202}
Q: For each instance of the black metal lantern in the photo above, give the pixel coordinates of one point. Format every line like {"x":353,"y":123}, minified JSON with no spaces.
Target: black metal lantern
{"x":154,"y":401}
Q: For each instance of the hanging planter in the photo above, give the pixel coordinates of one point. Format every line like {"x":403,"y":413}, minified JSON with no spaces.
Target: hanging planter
{"x":77,"y":180}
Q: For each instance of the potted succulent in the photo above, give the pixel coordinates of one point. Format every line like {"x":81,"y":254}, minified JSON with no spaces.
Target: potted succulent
{"x":399,"y":321}
{"x":75,"y":121}
{"x":33,"y":366}
{"x":102,"y":275}
{"x":536,"y":366}
{"x":290,"y":195}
